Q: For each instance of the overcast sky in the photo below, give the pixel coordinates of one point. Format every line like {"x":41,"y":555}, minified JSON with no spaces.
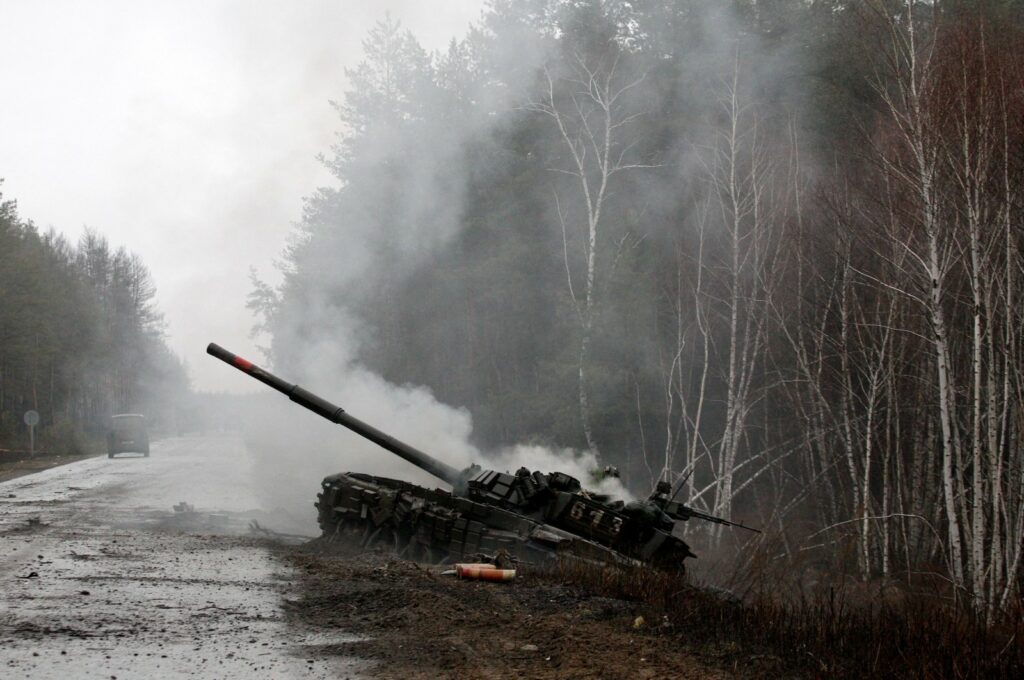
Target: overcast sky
{"x":186,"y":131}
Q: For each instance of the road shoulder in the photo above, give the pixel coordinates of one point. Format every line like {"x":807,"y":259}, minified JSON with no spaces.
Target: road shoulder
{"x":415,"y":623}
{"x":13,"y":466}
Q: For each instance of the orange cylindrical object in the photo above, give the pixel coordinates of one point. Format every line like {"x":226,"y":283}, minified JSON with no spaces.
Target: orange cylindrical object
{"x":459,"y":568}
{"x":487,"y":574}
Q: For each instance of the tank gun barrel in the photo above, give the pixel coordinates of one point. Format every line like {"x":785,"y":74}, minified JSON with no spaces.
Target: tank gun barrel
{"x":336,"y":414}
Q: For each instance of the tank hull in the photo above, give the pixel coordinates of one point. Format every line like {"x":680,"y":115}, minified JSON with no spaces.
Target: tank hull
{"x":434,"y":525}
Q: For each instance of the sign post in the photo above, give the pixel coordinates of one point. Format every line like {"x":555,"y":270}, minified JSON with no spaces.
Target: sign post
{"x":31,"y":419}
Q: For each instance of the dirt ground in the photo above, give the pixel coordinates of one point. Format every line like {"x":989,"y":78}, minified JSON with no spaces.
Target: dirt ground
{"x":149,"y":567}
{"x":14,"y":466}
{"x":414,"y":622}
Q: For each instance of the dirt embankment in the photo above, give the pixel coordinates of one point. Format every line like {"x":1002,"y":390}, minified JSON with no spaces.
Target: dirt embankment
{"x":15,"y":464}
{"x":417,"y":623}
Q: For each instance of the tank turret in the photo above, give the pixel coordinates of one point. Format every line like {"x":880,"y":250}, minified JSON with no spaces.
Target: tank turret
{"x":529,"y":515}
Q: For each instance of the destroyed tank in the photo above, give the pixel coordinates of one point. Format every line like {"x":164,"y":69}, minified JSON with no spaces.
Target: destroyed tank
{"x":527,"y":516}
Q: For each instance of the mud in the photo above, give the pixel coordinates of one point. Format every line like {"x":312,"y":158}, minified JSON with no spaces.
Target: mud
{"x":100,"y":577}
{"x":414,"y":622}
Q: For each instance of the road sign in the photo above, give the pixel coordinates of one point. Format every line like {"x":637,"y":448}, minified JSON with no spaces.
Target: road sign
{"x":31,"y":419}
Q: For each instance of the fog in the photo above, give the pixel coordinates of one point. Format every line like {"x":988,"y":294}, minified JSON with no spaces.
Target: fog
{"x":740,"y":246}
{"x":191,"y":135}
{"x":330,"y":151}
{"x":188,"y":132}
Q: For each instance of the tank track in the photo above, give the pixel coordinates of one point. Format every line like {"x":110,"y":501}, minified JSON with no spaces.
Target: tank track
{"x":432,"y":525}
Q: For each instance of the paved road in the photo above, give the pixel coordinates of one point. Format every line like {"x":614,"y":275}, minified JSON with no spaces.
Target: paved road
{"x":100,"y":577}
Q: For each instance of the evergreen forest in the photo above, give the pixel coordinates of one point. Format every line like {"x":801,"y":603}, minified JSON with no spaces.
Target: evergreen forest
{"x":80,"y":338}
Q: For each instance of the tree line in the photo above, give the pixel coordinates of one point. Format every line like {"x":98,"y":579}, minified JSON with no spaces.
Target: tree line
{"x":769,"y":251}
{"x":80,"y":336}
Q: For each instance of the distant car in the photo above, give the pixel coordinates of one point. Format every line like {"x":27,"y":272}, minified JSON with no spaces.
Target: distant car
{"x":127,"y":434}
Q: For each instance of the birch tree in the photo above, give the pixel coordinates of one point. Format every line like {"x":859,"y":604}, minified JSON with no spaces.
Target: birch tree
{"x":593,"y":107}
{"x":740,"y":181}
{"x":905,"y":96}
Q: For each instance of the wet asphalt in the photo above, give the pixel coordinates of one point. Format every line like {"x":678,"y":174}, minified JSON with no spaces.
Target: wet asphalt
{"x":102,"y":577}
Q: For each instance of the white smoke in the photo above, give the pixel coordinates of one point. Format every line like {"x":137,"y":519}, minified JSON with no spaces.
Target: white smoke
{"x":295,"y":450}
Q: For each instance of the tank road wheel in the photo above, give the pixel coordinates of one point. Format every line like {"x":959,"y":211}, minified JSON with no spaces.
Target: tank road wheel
{"x":335,"y":534}
{"x":422,"y":552}
{"x":343,"y":529}
{"x":371,"y":535}
{"x":386,"y":537}
{"x":323,"y":515}
{"x":368,"y":533}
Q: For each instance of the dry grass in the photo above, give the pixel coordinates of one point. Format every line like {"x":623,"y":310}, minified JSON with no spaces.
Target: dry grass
{"x":842,"y":631}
